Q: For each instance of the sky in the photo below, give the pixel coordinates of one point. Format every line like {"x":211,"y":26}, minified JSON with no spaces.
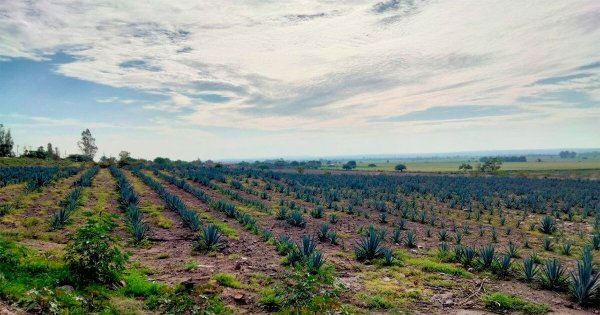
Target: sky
{"x":261,"y":79}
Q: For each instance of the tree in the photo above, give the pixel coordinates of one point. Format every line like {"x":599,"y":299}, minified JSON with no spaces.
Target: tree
{"x":490,"y":165}
{"x":567,"y":155}
{"x":6,"y":142}
{"x":57,"y":153}
{"x":400,"y":167}
{"x":50,"y":151}
{"x":349,"y":165}
{"x":87,"y":145}
{"x":465,"y":167}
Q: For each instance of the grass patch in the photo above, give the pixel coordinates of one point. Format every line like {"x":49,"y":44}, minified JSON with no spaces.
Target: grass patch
{"x":137,"y":285}
{"x":499,"y":301}
{"x":227,"y":280}
{"x":428,"y":265}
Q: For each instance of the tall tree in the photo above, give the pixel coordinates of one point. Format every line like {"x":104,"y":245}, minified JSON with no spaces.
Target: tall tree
{"x":6,"y":142}
{"x":87,"y":144}
{"x":50,"y":151}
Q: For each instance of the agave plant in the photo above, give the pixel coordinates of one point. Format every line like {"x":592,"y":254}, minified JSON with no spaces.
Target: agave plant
{"x":486,"y":255}
{"x":458,"y":237}
{"x":504,"y":264}
{"x":548,"y":244}
{"x":566,"y":248}
{"x":315,"y":261}
{"x":369,"y":247}
{"x":529,"y":269}
{"x":584,"y":284}
{"x":553,"y":274}
{"x":547,"y":225}
{"x":296,"y":219}
{"x":333,"y":219}
{"x":323,"y":232}
{"x":443,"y":235}
{"x":281,"y":213}
{"x":333,"y":237}
{"x":210,"y":239}
{"x":443,"y":247}
{"x":317,"y":212}
{"x":383,"y":218}
{"x":468,"y":256}
{"x":513,"y":250}
{"x":458,"y":253}
{"x":397,"y":236}
{"x":308,"y":245}
{"x":402,"y":224}
{"x":388,"y":257}
{"x":411,"y":239}
{"x":596,"y":241}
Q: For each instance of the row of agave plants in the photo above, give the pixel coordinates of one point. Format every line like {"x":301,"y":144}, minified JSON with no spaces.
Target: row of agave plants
{"x":203,"y":179}
{"x":35,"y":176}
{"x":129,"y":203}
{"x":190,"y":217}
{"x":303,"y":253}
{"x":583,"y":284}
{"x":61,"y":217}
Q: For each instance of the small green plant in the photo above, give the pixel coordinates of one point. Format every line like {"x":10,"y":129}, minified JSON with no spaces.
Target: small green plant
{"x":411,"y":239}
{"x":323,"y":232}
{"x":513,"y":250}
{"x":547,"y":225}
{"x":396,"y":236}
{"x":566,"y":248}
{"x":369,"y":247}
{"x":92,"y":254}
{"x":548,"y":244}
{"x":281,"y":213}
{"x":296,"y":219}
{"x":468,"y":256}
{"x":553,"y":275}
{"x":529,"y":269}
{"x":227,"y":280}
{"x":486,"y":256}
{"x":317,"y":212}
{"x":210,"y":239}
{"x":333,"y":219}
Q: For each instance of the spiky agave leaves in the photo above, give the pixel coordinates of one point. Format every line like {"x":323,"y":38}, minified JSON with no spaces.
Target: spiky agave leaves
{"x":529,"y":269}
{"x":504,"y":265}
{"x":284,"y":245}
{"x":323,"y":232}
{"x":584,"y":283}
{"x":547,"y":225}
{"x":486,"y":255}
{"x":61,"y":217}
{"x":209,"y":239}
{"x":369,"y":247}
{"x":306,"y":253}
{"x":388,"y":257}
{"x":411,"y":239}
{"x":296,"y":219}
{"x":553,"y":274}
{"x":596,"y":241}
{"x":468,"y":256}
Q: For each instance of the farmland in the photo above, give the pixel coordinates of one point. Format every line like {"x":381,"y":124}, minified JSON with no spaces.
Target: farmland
{"x":187,"y":238}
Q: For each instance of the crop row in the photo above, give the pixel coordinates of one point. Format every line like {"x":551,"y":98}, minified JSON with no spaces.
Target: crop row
{"x":129,"y":202}
{"x":61,"y":217}
{"x":35,"y":176}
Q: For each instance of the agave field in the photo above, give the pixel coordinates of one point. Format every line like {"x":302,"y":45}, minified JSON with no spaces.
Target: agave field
{"x":190,"y":240}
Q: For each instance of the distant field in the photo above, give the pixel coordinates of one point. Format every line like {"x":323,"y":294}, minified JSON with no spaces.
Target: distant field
{"x":451,"y":165}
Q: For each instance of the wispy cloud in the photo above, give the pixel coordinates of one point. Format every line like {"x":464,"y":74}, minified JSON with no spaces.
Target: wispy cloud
{"x":322,"y":65}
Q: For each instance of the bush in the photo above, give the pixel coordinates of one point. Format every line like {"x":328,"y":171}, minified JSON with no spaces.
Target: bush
{"x":92,"y":254}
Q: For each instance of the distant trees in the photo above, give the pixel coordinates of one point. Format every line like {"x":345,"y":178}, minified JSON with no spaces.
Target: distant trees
{"x":349,"y":165}
{"x":6,"y":142}
{"x":87,"y":144}
{"x":567,"y":154}
{"x":400,"y":167}
{"x":490,"y":165}
{"x":513,"y":158}
{"x":465,"y":167}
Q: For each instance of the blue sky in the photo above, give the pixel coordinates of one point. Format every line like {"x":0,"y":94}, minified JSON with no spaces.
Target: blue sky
{"x":246,"y":79}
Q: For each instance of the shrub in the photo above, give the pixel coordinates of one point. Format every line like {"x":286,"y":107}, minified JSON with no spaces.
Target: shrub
{"x":210,"y":239}
{"x":92,"y":254}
